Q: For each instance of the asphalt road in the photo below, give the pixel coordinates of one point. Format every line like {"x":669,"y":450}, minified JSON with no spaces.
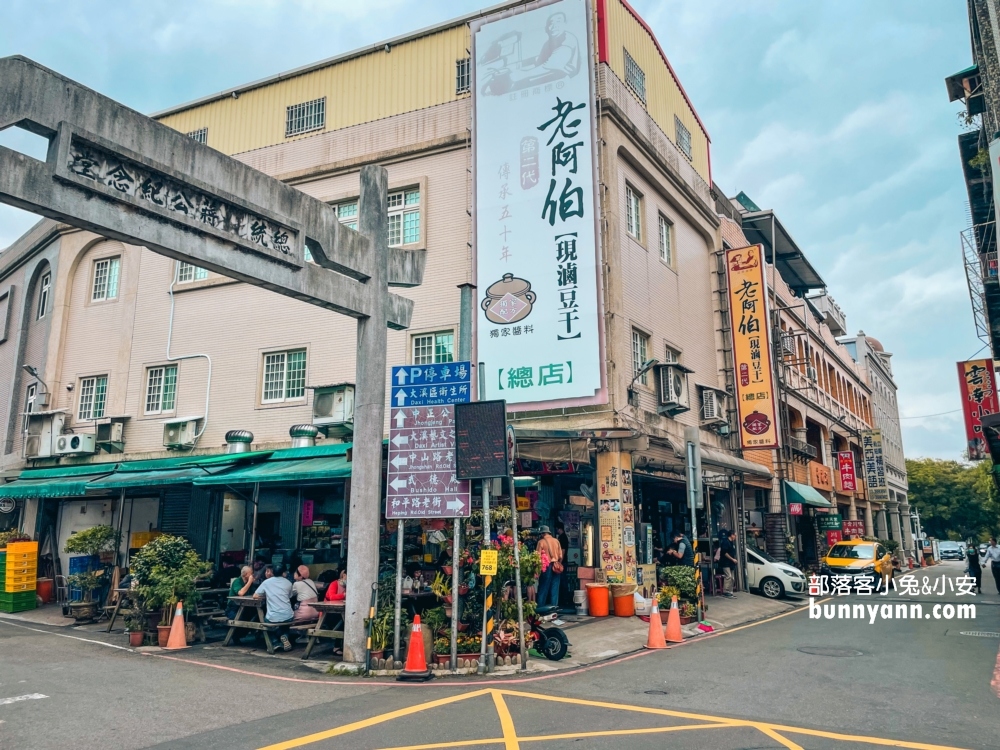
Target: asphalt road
{"x":788,"y":682}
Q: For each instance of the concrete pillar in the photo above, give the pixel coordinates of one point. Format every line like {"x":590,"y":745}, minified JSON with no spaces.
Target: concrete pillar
{"x":852,"y":511}
{"x":369,"y":417}
{"x":907,"y":525}
{"x":892,"y":508}
{"x":881,"y":528}
{"x":869,"y":527}
{"x":466,"y":306}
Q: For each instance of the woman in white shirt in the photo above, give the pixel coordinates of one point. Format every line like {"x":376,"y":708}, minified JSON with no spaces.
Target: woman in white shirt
{"x":305,"y":594}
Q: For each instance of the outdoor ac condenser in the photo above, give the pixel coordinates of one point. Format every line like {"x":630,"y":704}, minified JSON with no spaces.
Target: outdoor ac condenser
{"x":74,"y":444}
{"x":333,"y":409}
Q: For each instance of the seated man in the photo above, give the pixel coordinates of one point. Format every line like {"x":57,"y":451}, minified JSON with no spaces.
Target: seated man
{"x":277,"y":591}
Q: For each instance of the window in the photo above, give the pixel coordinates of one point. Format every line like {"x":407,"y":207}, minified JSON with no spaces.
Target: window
{"x":106,"y":279}
{"x":200,"y":135}
{"x":432,"y":348}
{"x":671,"y":356}
{"x":161,"y":389}
{"x":44,"y":288}
{"x":633,"y":212}
{"x":683,"y":137}
{"x":187,"y":272}
{"x":93,"y":396}
{"x":29,"y":404}
{"x":347,"y":214}
{"x":635,"y":79}
{"x":404,"y":217}
{"x":301,"y":118}
{"x":284,"y":376}
{"x":640,"y":353}
{"x":666,"y":241}
{"x":463,"y":80}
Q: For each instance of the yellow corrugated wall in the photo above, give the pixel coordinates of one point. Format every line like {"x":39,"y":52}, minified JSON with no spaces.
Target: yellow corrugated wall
{"x":414,"y":75}
{"x":663,"y":96}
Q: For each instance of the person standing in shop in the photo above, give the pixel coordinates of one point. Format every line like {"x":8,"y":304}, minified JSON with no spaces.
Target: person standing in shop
{"x":552,"y":568}
{"x":728,"y":563}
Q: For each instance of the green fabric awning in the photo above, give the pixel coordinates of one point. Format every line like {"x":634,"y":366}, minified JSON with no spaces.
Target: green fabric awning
{"x":123,"y":479}
{"x":803,"y":493}
{"x":293,"y":470}
{"x":73,"y":486}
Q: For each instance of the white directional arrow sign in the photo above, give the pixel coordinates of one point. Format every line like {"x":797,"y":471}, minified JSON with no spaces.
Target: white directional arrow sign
{"x":397,"y":483}
{"x":400,"y":419}
{"x":398,"y":461}
{"x":401,"y":377}
{"x":401,"y":397}
{"x":399,"y":440}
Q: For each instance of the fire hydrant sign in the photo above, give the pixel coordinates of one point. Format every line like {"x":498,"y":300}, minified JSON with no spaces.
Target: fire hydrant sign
{"x":488,"y":559}
{"x":421,"y":479}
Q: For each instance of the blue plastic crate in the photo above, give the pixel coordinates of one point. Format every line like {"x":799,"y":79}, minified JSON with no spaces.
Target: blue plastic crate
{"x":83,"y":564}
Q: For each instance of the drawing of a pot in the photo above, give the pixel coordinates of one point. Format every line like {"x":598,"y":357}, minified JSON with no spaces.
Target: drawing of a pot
{"x":508,"y":300}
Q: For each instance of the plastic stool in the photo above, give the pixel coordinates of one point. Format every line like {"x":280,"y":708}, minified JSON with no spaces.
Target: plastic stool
{"x":720,"y":585}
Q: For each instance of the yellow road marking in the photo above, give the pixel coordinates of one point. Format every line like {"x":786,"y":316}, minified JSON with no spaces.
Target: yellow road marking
{"x":777,"y":737}
{"x":620,"y":707}
{"x":862,"y":738}
{"x":355,"y":726}
{"x":616,"y":732}
{"x":506,"y":722}
{"x":441,"y":745}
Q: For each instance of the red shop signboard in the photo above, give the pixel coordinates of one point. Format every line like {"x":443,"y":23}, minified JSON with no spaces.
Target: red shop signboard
{"x":848,"y":479}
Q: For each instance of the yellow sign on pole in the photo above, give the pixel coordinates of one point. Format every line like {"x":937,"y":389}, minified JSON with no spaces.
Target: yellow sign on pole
{"x":488,"y":562}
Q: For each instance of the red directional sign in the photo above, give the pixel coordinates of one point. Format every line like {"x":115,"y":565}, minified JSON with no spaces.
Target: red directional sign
{"x":421,"y":472}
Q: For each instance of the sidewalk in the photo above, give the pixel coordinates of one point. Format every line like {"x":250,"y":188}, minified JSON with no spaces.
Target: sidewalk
{"x":592,"y":639}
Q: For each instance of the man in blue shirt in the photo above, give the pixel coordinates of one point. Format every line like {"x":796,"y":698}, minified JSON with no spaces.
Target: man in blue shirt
{"x":277,"y":591}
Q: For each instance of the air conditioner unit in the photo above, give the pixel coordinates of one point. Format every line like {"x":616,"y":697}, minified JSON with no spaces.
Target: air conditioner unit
{"x":788,"y":344}
{"x":713,"y":407}
{"x":333,"y":409}
{"x":42,"y":427}
{"x":181,"y":433}
{"x":113,"y":432}
{"x":673,"y":388}
{"x":811,"y":373}
{"x":74,"y":444}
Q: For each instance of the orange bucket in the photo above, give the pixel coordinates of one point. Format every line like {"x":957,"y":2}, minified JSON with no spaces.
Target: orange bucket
{"x":597,"y":599}
{"x":624,"y":606}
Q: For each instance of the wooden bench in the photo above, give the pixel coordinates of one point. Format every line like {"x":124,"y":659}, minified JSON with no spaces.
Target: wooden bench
{"x":244,"y":620}
{"x":201,"y":616}
{"x":330,"y":624}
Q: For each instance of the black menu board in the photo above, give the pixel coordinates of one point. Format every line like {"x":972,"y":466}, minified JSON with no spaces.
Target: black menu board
{"x":481,"y":439}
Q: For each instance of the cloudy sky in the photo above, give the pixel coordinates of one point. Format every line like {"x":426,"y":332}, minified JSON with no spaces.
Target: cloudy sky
{"x":832,"y":112}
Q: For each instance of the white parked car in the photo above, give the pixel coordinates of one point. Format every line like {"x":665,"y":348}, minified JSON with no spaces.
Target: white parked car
{"x":771,"y":578}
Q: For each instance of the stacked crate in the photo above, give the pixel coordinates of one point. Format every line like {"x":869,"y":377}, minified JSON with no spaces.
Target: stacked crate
{"x":18,"y":574}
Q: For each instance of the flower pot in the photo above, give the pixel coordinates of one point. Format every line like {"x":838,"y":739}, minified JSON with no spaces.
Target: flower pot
{"x":463,"y":590}
{"x":447,"y":570}
{"x":162,"y":635}
{"x":443,"y":658}
{"x":462,"y":627}
{"x":135,"y":638}
{"x":83,"y":611}
{"x":688,"y":620}
{"x":376,"y":655}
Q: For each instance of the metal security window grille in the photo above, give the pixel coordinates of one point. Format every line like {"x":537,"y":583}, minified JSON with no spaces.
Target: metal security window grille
{"x":161,"y":389}
{"x":93,"y":396}
{"x":633,"y":211}
{"x":187,"y":272}
{"x":44,"y":289}
{"x":666,"y":241}
{"x":106,"y":279}
{"x":640,"y":350}
{"x":200,"y":135}
{"x":404,"y":217}
{"x":284,"y":376}
{"x":29,"y":404}
{"x":463,"y":79}
{"x":301,"y":118}
{"x":432,"y":348}
{"x":683,"y":137}
{"x":635,"y":79}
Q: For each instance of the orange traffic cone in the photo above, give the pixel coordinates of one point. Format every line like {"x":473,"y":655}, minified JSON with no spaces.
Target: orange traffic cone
{"x":655,"y":638}
{"x":674,"y":634}
{"x":177,"y":639}
{"x":416,"y":663}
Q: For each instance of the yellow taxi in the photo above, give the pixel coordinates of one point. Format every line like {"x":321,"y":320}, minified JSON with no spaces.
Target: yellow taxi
{"x":854,"y":558}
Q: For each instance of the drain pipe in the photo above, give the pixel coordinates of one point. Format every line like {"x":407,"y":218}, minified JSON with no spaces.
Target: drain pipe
{"x":170,"y":334}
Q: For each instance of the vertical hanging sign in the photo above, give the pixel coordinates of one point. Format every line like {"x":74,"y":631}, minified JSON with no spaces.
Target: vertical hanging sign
{"x":979,"y":398}
{"x":848,"y":480}
{"x":616,"y":516}
{"x":871,"y":445}
{"x":538,"y":327}
{"x":750,"y":325}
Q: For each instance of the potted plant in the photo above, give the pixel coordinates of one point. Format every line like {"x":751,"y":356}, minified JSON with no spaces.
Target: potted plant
{"x":689,"y":613}
{"x":442,"y":650}
{"x":165,"y":571}
{"x":664,"y":598}
{"x":91,"y":543}
{"x":7,"y":537}
{"x":135,"y":626}
{"x":381,"y":629}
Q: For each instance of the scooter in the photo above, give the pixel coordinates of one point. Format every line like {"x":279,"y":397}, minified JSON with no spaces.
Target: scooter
{"x":549,"y":640}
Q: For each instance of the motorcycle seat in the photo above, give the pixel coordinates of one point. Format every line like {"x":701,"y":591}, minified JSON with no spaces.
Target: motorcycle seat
{"x":546,"y":610}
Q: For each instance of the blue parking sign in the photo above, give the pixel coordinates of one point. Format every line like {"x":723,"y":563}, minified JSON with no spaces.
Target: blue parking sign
{"x":431,"y":385}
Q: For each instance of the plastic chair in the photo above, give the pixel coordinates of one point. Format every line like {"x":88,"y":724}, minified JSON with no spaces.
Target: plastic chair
{"x":720,"y":585}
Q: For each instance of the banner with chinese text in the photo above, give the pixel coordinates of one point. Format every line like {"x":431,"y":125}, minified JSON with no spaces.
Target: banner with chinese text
{"x":848,"y":480}
{"x":871,"y":446}
{"x":538,"y":325}
{"x":979,"y":398}
{"x":616,"y":517}
{"x":755,"y":398}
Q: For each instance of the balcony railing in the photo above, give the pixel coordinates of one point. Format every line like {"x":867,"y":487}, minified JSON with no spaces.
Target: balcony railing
{"x":980,"y":268}
{"x":800,"y":448}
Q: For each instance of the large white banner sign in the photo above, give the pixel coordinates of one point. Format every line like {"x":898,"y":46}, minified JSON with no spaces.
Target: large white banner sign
{"x":538,"y":318}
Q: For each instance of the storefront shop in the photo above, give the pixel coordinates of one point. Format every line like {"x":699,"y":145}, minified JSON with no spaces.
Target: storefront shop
{"x":810,"y":539}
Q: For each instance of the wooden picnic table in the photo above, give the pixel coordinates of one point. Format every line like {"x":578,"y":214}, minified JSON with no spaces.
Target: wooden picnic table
{"x":244,"y":620}
{"x":331,"y":615}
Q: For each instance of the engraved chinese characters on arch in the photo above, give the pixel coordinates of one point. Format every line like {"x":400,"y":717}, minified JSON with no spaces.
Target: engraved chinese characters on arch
{"x":139,"y":184}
